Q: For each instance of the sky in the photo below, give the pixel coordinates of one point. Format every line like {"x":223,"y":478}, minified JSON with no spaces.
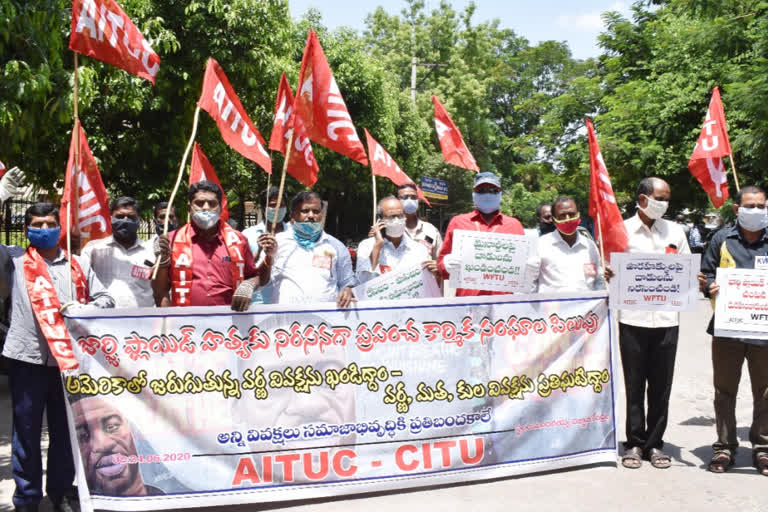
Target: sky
{"x":576,"y":22}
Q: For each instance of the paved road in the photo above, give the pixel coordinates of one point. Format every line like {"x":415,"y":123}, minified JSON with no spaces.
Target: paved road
{"x":685,"y":486}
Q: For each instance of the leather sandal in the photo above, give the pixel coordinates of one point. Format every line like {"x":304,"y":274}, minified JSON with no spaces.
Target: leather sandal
{"x":659,"y":459}
{"x":761,"y":463}
{"x":721,"y":461}
{"x":633,"y":458}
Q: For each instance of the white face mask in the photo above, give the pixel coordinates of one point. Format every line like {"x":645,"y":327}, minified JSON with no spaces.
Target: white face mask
{"x":753,"y":219}
{"x":271,"y":217}
{"x":395,"y":228}
{"x":410,"y":206}
{"x":655,"y":209}
{"x":205,"y":219}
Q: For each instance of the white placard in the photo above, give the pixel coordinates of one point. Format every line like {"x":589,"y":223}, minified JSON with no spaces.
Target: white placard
{"x":741,"y":306}
{"x":491,"y":261}
{"x":655,"y":282}
{"x":410,"y":282}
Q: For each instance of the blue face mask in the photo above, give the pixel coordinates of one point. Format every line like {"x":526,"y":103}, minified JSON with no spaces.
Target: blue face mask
{"x":307,"y":233}
{"x":487,"y":203}
{"x":43,"y":238}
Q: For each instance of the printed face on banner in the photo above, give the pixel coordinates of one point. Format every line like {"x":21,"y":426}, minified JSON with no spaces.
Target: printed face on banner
{"x":104,"y":437}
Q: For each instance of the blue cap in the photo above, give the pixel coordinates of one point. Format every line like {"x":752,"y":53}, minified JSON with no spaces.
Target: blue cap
{"x":487,"y":177}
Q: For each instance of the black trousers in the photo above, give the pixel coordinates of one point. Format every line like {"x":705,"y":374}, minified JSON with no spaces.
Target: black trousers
{"x":648,"y":359}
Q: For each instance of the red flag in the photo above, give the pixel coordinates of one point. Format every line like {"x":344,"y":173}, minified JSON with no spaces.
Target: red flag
{"x":100,"y":29}
{"x":201,"y":169}
{"x":451,"y":142}
{"x":383,"y":165}
{"x":2,"y":169}
{"x":89,"y":200}
{"x":220,"y":101}
{"x":283,"y":110}
{"x":706,"y":162}
{"x":602,"y":201}
{"x":321,"y":107}
{"x":301,"y":164}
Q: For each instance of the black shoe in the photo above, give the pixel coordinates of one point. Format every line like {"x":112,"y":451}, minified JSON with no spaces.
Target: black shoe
{"x":25,"y":508}
{"x":67,"y":504}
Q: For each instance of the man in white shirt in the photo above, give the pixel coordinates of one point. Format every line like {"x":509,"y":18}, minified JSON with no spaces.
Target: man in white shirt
{"x":273,"y":219}
{"x":389,"y":248}
{"x":648,"y":339}
{"x":123,"y":262}
{"x":567,"y":260}
{"x":311,"y":265}
{"x":416,"y":229}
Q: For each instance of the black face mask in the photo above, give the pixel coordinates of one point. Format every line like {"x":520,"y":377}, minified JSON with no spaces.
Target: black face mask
{"x":124,"y":230}
{"x":546,"y":227}
{"x":159,"y":227}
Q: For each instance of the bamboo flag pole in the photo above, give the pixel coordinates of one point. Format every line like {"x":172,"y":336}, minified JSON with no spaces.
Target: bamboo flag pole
{"x":735,"y":176}
{"x":282,"y":176}
{"x":600,"y":239}
{"x":178,"y":181}
{"x":373,"y":178}
{"x":75,"y":181}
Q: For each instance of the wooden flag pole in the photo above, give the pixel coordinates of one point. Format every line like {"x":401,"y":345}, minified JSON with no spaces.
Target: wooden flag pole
{"x":373,"y":178}
{"x":282,"y":176}
{"x":178,"y":181}
{"x":75,"y":181}
{"x":735,"y":176}
{"x":600,"y":239}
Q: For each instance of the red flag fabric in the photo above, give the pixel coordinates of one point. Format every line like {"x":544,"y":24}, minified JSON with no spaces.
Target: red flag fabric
{"x":455,"y":151}
{"x":320,"y":105}
{"x":302,"y":164}
{"x":90,"y":203}
{"x":220,"y":101}
{"x":3,"y":170}
{"x":383,"y":165}
{"x":201,"y":169}
{"x":101,"y":30}
{"x":283,"y":110}
{"x":706,"y":162}
{"x":602,"y":201}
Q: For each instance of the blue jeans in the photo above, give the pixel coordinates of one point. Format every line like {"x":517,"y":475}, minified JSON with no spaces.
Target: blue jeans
{"x":35,"y":388}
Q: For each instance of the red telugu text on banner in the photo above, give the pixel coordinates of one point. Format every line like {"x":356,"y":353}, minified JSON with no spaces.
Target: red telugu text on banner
{"x":454,"y":149}
{"x":220,"y":101}
{"x":89,"y":210}
{"x":301,"y":162}
{"x":201,"y":169}
{"x":602,"y":201}
{"x":320,"y":105}
{"x":706,"y":162}
{"x":384,"y":165}
{"x":101,"y":30}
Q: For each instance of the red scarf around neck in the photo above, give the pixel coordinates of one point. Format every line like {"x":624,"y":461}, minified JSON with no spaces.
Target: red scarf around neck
{"x":181,"y":261}
{"x":46,"y":305}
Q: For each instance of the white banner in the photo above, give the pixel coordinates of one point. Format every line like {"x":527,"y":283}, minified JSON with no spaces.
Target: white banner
{"x":492,"y":261}
{"x":403,"y":283}
{"x":741,"y":306}
{"x":206,"y":406}
{"x":655,"y":282}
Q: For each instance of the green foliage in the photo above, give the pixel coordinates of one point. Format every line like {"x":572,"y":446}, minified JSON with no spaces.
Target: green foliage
{"x":520,"y":106}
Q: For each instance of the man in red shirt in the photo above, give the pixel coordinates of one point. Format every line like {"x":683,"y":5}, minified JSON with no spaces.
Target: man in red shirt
{"x":206,"y":262}
{"x":486,"y":217}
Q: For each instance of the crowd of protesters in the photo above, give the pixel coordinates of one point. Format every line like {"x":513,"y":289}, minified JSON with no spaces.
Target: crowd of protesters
{"x":290,"y":258}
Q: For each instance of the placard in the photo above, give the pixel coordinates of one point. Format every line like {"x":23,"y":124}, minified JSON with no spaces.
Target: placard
{"x":741,"y":305}
{"x":655,"y":282}
{"x":411,"y":282}
{"x":492,"y":261}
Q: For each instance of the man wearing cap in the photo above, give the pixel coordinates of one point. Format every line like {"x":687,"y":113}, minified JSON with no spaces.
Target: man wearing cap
{"x":486,"y":217}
